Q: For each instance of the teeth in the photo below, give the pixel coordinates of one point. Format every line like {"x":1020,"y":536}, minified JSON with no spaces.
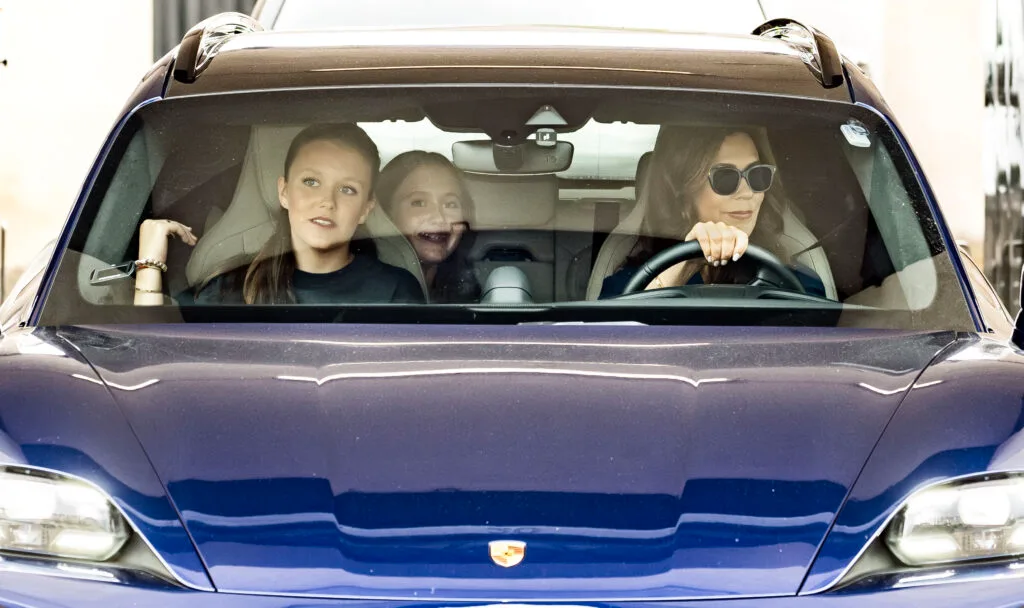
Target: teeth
{"x":323,"y":222}
{"x":436,"y":237}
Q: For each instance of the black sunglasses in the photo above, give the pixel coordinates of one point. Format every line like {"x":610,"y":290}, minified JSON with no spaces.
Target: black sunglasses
{"x":725,"y":179}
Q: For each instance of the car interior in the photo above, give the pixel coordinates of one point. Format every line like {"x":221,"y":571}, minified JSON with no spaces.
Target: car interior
{"x":520,"y":221}
{"x":563,"y":230}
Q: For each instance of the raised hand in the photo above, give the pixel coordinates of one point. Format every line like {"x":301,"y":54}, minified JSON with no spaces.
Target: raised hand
{"x":153,"y":236}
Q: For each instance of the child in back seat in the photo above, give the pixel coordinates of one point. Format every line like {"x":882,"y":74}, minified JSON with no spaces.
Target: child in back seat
{"x":427,"y":199}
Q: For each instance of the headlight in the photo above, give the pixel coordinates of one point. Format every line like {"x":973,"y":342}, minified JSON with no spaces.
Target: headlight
{"x":52,"y":515}
{"x":972,"y":520}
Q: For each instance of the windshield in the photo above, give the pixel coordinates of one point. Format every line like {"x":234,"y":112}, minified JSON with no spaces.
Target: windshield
{"x":723,"y":16}
{"x":507,"y":205}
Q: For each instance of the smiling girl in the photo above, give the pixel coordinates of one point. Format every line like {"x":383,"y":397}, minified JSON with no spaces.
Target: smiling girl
{"x":425,"y":196}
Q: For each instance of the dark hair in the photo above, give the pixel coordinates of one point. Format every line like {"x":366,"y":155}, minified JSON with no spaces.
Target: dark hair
{"x":455,"y":280}
{"x":268,"y":279}
{"x":678,"y":170}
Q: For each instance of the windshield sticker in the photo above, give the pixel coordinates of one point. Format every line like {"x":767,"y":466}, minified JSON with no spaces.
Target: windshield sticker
{"x":856,"y":134}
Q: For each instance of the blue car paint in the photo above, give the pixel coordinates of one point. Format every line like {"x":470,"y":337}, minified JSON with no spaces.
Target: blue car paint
{"x":19,"y":591}
{"x":58,"y":415}
{"x":932,"y":436}
{"x":405,"y":506}
{"x":964,"y":415}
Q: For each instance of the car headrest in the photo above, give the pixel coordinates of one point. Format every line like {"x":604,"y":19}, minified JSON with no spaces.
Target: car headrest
{"x":512,"y":201}
{"x":269,"y":146}
{"x":236,"y":238}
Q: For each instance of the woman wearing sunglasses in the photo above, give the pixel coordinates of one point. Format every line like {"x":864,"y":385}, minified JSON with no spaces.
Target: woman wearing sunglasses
{"x":707,"y":184}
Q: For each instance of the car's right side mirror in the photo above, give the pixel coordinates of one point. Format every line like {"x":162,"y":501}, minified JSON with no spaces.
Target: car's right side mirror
{"x":1018,"y":325}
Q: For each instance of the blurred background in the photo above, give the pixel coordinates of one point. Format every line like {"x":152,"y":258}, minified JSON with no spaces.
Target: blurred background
{"x":948,"y":68}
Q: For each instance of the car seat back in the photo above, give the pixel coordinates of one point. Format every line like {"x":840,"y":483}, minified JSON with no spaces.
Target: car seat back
{"x":513,"y":220}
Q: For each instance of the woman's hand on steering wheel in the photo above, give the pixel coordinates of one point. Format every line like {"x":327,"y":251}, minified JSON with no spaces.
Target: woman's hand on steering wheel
{"x":779,"y":274}
{"x":719,"y":241}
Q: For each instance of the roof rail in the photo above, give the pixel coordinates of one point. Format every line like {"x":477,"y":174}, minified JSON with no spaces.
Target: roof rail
{"x":202,"y":42}
{"x":818,"y":50}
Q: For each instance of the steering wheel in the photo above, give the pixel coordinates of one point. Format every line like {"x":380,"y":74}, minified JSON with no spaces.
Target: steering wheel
{"x":691,"y":250}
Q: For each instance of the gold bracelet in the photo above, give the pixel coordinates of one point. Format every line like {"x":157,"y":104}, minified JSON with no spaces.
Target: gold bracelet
{"x":141,"y":290}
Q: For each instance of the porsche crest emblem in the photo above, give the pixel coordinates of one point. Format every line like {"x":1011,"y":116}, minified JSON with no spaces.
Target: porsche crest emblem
{"x":507,"y":553}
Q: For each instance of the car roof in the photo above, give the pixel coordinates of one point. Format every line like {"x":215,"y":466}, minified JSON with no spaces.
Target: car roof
{"x":512,"y":55}
{"x":722,"y":16}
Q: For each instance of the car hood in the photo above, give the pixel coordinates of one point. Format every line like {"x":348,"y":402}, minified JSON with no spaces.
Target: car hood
{"x":383,"y":461}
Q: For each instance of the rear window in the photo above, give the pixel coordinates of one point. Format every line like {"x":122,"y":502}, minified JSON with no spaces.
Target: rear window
{"x":507,"y":205}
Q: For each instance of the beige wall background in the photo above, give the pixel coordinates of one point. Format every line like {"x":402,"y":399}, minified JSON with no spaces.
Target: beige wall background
{"x":71,"y":66}
{"x":73,"y":63}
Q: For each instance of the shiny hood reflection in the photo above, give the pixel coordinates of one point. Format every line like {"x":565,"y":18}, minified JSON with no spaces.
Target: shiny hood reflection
{"x":115,"y":385}
{"x":634,"y":462}
{"x":467,"y":368}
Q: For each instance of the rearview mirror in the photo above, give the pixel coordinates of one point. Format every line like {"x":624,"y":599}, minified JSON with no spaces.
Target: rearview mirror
{"x":527,"y":158}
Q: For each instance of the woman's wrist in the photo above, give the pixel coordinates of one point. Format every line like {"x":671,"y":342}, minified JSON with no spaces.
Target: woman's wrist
{"x":149,"y":286}
{"x":671,"y":277}
{"x":149,"y":277}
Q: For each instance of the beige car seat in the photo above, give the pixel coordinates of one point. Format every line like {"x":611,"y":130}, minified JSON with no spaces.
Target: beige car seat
{"x":248,"y":222}
{"x":513,"y":222}
{"x":795,"y":239}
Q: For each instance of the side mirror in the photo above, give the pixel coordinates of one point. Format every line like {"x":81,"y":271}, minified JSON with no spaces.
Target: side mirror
{"x":1018,"y":324}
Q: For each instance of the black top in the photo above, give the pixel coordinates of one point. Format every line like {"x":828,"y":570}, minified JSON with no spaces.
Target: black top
{"x":366,"y":280}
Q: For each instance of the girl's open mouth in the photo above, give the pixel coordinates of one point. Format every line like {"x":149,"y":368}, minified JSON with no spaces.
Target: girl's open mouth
{"x":323,"y":222}
{"x":440,"y":238}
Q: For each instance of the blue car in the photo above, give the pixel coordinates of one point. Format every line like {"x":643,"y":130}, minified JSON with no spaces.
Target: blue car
{"x":492,"y":315}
